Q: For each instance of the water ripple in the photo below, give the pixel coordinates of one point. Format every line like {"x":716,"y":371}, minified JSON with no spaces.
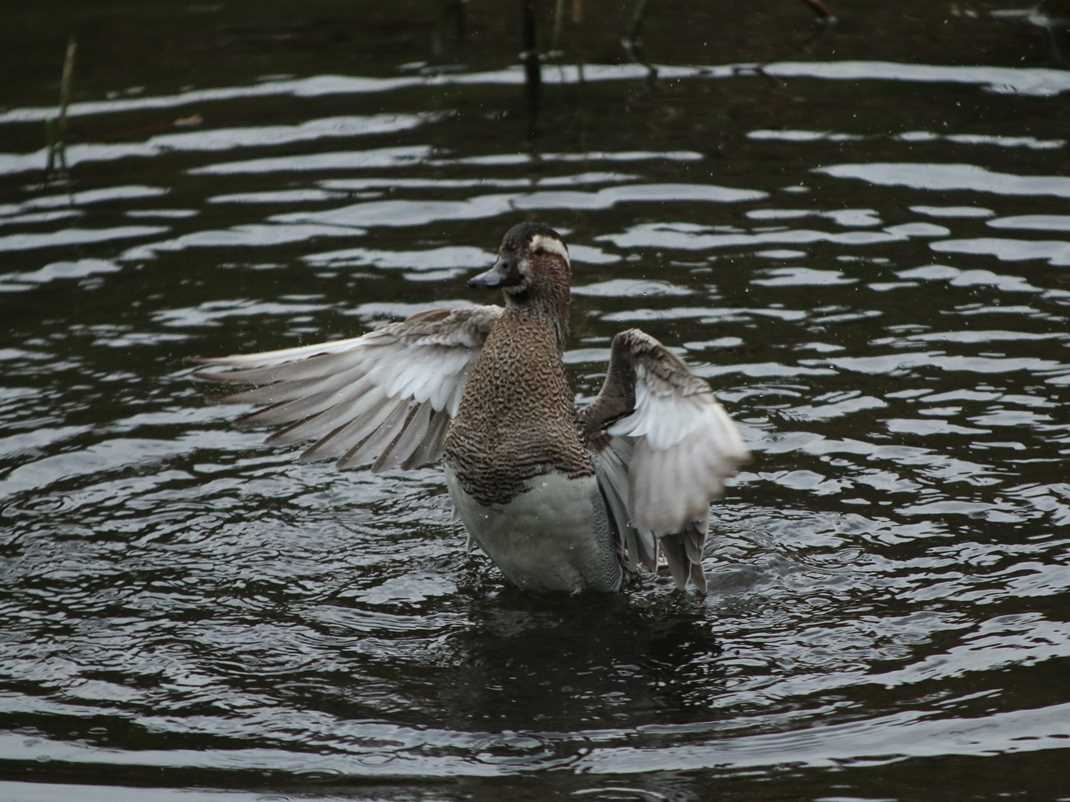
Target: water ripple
{"x":185,"y":606}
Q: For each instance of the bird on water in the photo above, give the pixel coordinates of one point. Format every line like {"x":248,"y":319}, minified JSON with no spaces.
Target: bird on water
{"x":561,"y":499}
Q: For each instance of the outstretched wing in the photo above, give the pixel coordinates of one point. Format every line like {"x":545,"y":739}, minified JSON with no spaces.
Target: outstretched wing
{"x":663,"y":449}
{"x":384,"y":399}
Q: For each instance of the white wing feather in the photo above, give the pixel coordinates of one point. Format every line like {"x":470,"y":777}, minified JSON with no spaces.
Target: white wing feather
{"x":383,"y":399}
{"x":686,"y":447}
{"x":658,"y":428}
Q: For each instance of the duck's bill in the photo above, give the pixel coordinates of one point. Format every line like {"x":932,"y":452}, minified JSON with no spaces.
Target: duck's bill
{"x":495,"y":277}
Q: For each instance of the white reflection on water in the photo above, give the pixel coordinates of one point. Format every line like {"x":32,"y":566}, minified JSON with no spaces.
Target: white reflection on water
{"x":252,"y":235}
{"x":1024,"y":81}
{"x":953,"y":211}
{"x":1035,"y":222}
{"x":446,"y":257}
{"x":630,"y":288}
{"x":795,"y":136}
{"x":441,"y":183}
{"x":849,"y":218}
{"x":664,"y":235}
{"x":945,"y":177}
{"x":79,"y":268}
{"x":85,"y":197}
{"x":377,"y":158}
{"x":1056,"y":252}
{"x":221,"y":139}
{"x":75,"y":236}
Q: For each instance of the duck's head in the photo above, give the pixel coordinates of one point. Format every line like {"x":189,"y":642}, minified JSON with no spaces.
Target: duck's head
{"x":532,"y":266}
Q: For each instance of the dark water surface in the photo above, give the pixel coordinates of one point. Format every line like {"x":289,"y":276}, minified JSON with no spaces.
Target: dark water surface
{"x":860,"y":237}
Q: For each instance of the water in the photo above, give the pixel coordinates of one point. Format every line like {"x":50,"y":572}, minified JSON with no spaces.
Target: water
{"x":859,"y":237}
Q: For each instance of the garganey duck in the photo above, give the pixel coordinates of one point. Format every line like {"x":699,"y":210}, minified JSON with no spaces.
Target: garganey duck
{"x":560,"y":499}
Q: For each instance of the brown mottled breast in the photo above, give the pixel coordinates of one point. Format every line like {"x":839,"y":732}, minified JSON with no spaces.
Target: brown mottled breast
{"x":517,"y":419}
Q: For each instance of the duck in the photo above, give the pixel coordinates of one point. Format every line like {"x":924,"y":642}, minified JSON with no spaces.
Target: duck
{"x":562,"y":498}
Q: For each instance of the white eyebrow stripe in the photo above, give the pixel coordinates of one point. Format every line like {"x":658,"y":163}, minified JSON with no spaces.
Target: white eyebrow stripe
{"x":540,"y":242}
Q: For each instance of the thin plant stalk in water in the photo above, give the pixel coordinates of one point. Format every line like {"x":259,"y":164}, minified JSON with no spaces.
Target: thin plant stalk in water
{"x":56,"y":127}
